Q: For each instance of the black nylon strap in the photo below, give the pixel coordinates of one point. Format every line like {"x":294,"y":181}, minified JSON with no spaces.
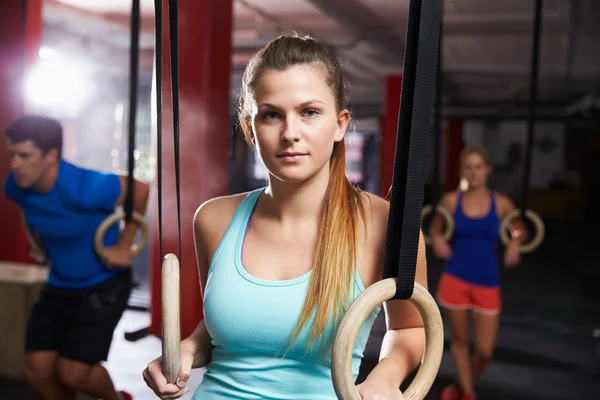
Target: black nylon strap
{"x":414,"y":125}
{"x":158,"y":79}
{"x":174,"y":66}
{"x":438,"y":125}
{"x":533,"y":84}
{"x":174,"y":61}
{"x":133,"y":90}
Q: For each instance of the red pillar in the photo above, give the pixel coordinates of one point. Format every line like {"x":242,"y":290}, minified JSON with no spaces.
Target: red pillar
{"x":20,"y":37}
{"x":389,"y":130}
{"x":204,"y":72}
{"x":454,"y":145}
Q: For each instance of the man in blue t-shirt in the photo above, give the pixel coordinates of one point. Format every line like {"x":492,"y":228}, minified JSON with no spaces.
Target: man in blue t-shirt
{"x":71,"y":324}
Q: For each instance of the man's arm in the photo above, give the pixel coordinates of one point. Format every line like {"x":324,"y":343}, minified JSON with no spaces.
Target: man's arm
{"x":105,"y":191}
{"x":37,"y":251}
{"x":141,"y":192}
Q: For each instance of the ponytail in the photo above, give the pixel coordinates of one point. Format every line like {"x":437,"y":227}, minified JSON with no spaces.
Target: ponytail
{"x":336,"y":253}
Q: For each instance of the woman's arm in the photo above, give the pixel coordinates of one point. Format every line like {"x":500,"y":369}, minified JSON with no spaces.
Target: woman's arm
{"x":436,"y":228}
{"x":404,"y":343}
{"x":517,"y":229}
{"x":199,"y":343}
{"x":209,"y":224}
{"x":211,"y":221}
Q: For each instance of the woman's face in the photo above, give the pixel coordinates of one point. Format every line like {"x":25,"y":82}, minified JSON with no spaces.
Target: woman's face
{"x":475,"y":170}
{"x":295,"y":122}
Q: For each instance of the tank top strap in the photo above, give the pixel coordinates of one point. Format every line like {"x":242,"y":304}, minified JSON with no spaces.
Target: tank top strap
{"x":237,"y":226}
{"x":243,"y":214}
{"x":493,"y":203}
{"x":459,"y":200}
{"x":246,"y":207}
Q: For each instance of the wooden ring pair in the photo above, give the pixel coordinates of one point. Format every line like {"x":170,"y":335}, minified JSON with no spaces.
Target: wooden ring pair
{"x":538,"y":223}
{"x":113,"y":219}
{"x":343,"y":347}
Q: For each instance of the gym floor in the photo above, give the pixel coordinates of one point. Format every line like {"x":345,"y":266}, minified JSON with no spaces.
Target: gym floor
{"x":548,"y":344}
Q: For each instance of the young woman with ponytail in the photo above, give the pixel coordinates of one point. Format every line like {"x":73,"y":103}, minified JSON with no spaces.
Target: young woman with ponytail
{"x":280,"y":265}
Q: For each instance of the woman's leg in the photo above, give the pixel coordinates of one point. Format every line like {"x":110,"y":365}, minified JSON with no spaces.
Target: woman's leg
{"x":486,"y":332}
{"x":453,"y":294}
{"x":459,"y":345}
{"x":486,"y":320}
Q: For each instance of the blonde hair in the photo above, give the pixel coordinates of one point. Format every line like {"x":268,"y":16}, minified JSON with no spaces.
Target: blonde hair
{"x":336,"y":251}
{"x":474,"y":149}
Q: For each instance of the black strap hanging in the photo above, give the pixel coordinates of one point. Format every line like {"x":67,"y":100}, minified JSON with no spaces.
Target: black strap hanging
{"x":438,"y":124}
{"x":158,"y":57}
{"x":133,"y":90}
{"x":174,"y":66}
{"x":414,"y":125}
{"x":533,"y":85}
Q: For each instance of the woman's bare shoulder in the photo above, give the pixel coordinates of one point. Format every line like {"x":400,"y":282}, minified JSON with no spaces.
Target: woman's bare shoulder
{"x":373,"y":231}
{"x":449,"y":200}
{"x":376,"y":211}
{"x":212,"y":218}
{"x":504,"y":204}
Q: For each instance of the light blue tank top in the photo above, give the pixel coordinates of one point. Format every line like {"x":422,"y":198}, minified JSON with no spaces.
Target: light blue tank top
{"x":250,"y":321}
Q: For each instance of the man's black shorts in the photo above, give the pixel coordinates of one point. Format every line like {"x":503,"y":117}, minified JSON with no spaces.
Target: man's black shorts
{"x":78,"y":323}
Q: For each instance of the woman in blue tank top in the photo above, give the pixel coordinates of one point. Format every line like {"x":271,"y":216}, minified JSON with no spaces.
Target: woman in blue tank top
{"x":279,"y":265}
{"x":469,"y":286}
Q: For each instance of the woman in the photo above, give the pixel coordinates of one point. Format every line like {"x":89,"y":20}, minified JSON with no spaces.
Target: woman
{"x":469,"y":286}
{"x":279,"y":265}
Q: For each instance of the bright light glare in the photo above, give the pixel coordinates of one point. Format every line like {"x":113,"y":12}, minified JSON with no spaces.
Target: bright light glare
{"x":46,"y":52}
{"x":58,"y":85}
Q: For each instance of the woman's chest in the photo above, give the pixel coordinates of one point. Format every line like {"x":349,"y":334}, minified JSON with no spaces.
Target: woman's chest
{"x":243,"y":314}
{"x":476,"y":207}
{"x":278,"y":256}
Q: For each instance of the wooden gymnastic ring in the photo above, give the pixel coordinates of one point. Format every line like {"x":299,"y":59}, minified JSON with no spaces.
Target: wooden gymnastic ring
{"x":113,"y":219}
{"x":447,"y":234}
{"x":538,"y":223}
{"x":357,"y":313}
{"x":171,"y":322}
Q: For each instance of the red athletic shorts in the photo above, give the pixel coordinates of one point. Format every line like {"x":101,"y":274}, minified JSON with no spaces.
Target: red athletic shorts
{"x":457,"y":294}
